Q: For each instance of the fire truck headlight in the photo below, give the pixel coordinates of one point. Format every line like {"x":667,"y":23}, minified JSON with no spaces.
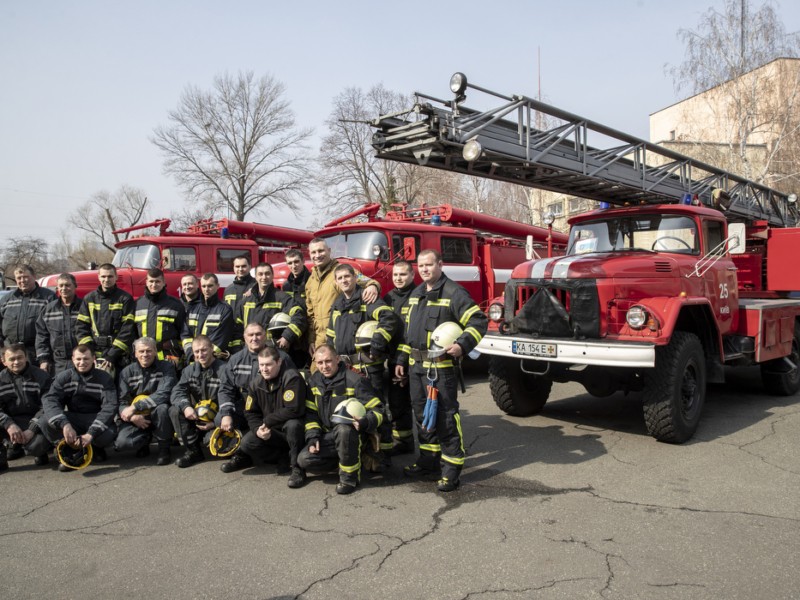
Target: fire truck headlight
{"x":472,"y":150}
{"x":636,"y":317}
{"x":496,"y":312}
{"x":458,"y":83}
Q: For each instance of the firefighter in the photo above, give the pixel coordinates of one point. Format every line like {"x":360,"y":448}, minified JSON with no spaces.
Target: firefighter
{"x":20,"y":310}
{"x":160,"y":316}
{"x":234,"y":293}
{"x":264,"y":301}
{"x":55,"y":328}
{"x":194,"y":399}
{"x":236,"y":378}
{"x":295,"y":286}
{"x":438,"y":301}
{"x":81,"y":404}
{"x":275,"y":409}
{"x":144,"y":392}
{"x":190,"y":291}
{"x":362,"y":348}
{"x":399,"y":398}
{"x":105,"y":321}
{"x":321,"y":291}
{"x":209,"y":317}
{"x":335,"y":429}
{"x":22,"y":387}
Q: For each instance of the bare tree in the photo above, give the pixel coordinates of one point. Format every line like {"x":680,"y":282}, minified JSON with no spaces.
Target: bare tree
{"x":236,"y":147}
{"x":750,"y":119}
{"x":190,"y":215}
{"x":107,"y":211}
{"x":75,"y":256}
{"x":351,"y":175}
{"x":25,"y":251}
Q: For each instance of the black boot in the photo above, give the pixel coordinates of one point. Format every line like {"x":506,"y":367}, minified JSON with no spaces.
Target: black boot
{"x":163,"y":454}
{"x":238,"y":461}
{"x":192,"y":456}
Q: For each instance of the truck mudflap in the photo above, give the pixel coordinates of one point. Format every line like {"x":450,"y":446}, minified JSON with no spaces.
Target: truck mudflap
{"x":581,"y":352}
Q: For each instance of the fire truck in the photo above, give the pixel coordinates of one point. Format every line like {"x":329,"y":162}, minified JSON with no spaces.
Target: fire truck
{"x":478,"y":250}
{"x":685,"y":269}
{"x":208,"y":246}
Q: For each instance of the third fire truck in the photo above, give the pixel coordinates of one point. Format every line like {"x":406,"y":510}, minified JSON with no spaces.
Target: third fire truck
{"x":684,"y":270}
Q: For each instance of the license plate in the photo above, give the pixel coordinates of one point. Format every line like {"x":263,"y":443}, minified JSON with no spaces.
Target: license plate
{"x":534,"y":349}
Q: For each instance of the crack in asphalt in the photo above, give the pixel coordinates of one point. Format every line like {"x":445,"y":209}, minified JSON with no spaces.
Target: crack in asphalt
{"x":772,"y":432}
{"x":548,"y":584}
{"x":608,"y":556}
{"x":84,"y":530}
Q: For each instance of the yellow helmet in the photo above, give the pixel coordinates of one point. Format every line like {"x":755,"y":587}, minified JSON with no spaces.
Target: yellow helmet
{"x":443,"y":337}
{"x":206,"y":410}
{"x":145,"y":412}
{"x":74,"y":457}
{"x":224,"y":443}
{"x":347,"y":411}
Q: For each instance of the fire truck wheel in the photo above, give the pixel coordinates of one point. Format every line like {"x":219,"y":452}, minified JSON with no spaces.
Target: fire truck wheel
{"x":515,"y":392}
{"x":675,"y":390}
{"x":782,"y":378}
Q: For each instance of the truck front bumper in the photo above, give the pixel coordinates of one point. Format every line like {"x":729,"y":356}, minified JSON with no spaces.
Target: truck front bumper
{"x":610,"y":354}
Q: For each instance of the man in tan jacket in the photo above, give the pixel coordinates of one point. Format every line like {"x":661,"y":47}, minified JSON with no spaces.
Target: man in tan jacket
{"x":321,"y":291}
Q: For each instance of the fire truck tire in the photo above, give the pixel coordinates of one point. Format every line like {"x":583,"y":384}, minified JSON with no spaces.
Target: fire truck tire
{"x":515,"y":392}
{"x":778,"y":377}
{"x":675,"y":390}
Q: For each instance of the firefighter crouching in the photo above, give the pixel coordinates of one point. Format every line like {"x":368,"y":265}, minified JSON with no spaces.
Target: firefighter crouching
{"x":433,"y":368}
{"x":343,"y":410}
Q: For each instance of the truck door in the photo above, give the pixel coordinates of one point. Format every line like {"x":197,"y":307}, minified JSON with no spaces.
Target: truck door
{"x":177,"y":261}
{"x":720,"y":279}
{"x":461,"y":262}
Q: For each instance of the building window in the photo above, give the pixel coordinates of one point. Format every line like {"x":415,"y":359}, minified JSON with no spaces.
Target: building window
{"x":575,"y":205}
{"x":557,"y":208}
{"x":179,"y":259}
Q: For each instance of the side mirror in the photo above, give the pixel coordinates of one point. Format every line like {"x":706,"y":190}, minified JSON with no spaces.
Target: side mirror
{"x":736,"y":238}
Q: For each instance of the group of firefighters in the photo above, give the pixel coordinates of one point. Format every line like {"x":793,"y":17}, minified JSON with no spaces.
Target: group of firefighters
{"x":228,"y":376}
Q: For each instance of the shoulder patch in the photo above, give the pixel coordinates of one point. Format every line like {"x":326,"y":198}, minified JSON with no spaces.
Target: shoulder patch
{"x":288,"y":395}
{"x":249,"y":404}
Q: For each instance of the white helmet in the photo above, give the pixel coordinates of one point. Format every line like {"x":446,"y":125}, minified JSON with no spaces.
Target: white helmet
{"x":443,"y":337}
{"x":278,"y":323}
{"x":348,"y":411}
{"x":364,"y":334}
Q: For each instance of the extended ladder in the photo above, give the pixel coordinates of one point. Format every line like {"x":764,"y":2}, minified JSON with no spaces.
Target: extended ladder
{"x":504,"y":143}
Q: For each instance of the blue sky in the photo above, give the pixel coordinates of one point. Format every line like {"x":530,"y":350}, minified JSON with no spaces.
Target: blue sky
{"x":83,"y":83}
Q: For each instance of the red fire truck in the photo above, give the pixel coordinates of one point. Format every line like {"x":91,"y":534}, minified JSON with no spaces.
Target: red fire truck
{"x":685,"y":269}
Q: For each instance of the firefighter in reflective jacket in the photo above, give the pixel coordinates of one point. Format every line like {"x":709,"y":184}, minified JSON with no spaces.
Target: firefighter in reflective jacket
{"x":332,"y":436}
{"x":210,"y":317}
{"x":105,"y":321}
{"x":264,"y":302}
{"x":436,"y":301}
{"x":161,"y":316}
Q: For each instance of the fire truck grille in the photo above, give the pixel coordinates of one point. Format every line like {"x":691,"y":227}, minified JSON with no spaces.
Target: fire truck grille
{"x":548,"y":308}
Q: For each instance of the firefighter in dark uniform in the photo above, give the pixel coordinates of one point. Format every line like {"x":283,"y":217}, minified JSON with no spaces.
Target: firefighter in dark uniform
{"x":190,"y":291}
{"x":264,"y":301}
{"x":398,"y":393}
{"x":234,"y":293}
{"x":20,"y":310}
{"x":105,"y":321}
{"x":436,"y":301}
{"x":55,"y":329}
{"x":348,"y":312}
{"x":22,"y":387}
{"x":160,"y":316}
{"x":210,"y":317}
{"x":199,"y":382}
{"x":81,"y":405}
{"x":275,"y":408}
{"x":236,"y":379}
{"x":330,"y":441}
{"x":295,"y":286}
{"x":144,"y":392}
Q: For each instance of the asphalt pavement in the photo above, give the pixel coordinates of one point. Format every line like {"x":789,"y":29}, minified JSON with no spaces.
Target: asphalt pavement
{"x":578,"y":502}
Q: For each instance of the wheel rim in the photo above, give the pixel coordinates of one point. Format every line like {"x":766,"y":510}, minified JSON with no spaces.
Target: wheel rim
{"x":689,"y":391}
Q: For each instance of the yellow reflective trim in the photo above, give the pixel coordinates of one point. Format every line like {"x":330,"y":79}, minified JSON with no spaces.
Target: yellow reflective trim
{"x":402,"y":433}
{"x":350,"y":468}
{"x":312,"y":425}
{"x":311,"y":405}
{"x":467,"y":314}
{"x":474,"y":333}
{"x":431,"y":447}
{"x":453,"y":461}
{"x":440,"y":302}
{"x":373,"y":402}
{"x":384,"y":333}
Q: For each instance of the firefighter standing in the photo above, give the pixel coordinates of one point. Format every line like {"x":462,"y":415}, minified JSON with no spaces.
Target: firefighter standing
{"x":330,"y":440}
{"x":275,"y":409}
{"x":160,"y":316}
{"x":295,"y":286}
{"x":55,"y":329}
{"x":209,"y":317}
{"x":398,"y":393}
{"x":20,"y":310}
{"x":234,"y":293}
{"x":438,"y":300}
{"x":105,"y":321}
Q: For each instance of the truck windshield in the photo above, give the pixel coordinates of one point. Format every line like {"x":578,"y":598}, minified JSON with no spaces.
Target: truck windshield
{"x":651,"y":233}
{"x":358,"y":244}
{"x":145,"y":256}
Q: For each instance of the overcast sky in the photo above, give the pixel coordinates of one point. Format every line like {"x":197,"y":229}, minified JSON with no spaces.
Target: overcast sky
{"x":83,"y":83}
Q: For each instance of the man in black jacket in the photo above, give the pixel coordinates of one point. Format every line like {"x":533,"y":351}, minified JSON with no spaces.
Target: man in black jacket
{"x":55,"y":328}
{"x":81,"y":405}
{"x":160,"y":316}
{"x":274,"y":409}
{"x":233,"y":294}
{"x":105,"y":321}
{"x":22,"y":387}
{"x":328,"y":441}
{"x":20,"y":310}
{"x":210,"y":317}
